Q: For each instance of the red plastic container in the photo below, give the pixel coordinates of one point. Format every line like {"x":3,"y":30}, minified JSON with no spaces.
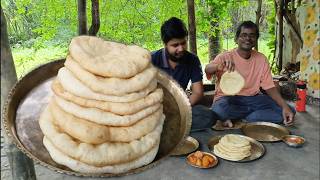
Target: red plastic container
{"x":302,"y":96}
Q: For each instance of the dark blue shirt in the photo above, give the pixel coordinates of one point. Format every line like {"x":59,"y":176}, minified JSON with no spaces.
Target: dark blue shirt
{"x":189,"y":68}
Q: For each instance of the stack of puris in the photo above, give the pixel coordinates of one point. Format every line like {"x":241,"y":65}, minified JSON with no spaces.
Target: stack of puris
{"x":233,"y":147}
{"x":106,"y":114}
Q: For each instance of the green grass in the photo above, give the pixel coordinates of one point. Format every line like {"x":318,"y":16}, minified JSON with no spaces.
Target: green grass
{"x":26,"y":59}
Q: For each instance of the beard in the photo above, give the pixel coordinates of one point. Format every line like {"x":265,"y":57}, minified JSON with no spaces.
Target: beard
{"x":174,"y":58}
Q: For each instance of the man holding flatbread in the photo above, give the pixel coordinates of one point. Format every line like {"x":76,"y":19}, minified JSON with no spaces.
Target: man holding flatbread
{"x":241,"y":72}
{"x":183,"y":66}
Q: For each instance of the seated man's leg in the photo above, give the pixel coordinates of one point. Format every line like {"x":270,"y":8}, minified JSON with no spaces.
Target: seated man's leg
{"x":265,"y":109}
{"x":202,"y":117}
{"x":230,"y":107}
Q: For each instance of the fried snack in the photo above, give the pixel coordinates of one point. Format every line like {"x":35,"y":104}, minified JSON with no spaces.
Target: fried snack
{"x":200,"y":159}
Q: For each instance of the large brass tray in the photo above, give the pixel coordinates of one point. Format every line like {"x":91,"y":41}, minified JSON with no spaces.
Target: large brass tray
{"x":265,"y":131}
{"x":257,"y":149}
{"x":30,"y":95}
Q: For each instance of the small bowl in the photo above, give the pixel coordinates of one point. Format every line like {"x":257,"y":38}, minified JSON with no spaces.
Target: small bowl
{"x":214,"y":163}
{"x":293,"y":140}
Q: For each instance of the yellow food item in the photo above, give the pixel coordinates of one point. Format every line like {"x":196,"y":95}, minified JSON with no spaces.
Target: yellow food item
{"x":198,"y":163}
{"x":192,"y":159}
{"x":205,"y":161}
{"x":198,"y":154}
{"x":200,"y":159}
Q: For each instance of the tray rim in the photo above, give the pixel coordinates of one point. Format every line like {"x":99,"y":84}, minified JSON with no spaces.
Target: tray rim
{"x":247,"y":137}
{"x":274,"y":125}
{"x":13,"y":137}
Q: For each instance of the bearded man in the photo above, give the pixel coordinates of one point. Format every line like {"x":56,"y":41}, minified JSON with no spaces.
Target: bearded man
{"x":183,"y":66}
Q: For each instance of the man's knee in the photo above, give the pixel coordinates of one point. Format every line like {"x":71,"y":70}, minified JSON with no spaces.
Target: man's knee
{"x":202,"y":117}
{"x":260,"y":116}
{"x":220,"y":109}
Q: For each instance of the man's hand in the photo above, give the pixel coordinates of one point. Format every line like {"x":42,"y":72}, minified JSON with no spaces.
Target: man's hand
{"x":227,"y":65}
{"x":287,"y":115}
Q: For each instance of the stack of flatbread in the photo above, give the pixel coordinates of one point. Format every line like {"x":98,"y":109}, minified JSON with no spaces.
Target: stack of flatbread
{"x":106,"y":114}
{"x":233,"y":147}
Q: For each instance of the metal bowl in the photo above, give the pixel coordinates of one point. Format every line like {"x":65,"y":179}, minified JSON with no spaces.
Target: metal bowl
{"x":215,"y":160}
{"x":293,"y":140}
{"x":31,"y":94}
{"x":189,"y":145}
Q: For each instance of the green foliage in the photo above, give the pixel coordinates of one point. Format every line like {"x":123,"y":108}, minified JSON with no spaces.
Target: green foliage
{"x":138,"y":21}
{"x":40,"y":30}
{"x":272,"y":37}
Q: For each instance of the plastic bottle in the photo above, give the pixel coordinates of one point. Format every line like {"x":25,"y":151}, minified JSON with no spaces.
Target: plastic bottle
{"x":302,"y":96}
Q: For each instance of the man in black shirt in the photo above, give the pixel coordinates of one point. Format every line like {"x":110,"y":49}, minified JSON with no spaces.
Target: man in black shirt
{"x":183,"y":66}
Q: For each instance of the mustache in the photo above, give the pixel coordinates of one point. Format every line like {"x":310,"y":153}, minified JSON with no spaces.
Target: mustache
{"x":173,"y":57}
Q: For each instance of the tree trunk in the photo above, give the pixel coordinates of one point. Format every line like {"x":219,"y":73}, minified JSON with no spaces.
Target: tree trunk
{"x":280,"y":10}
{"x":21,"y":166}
{"x":192,"y":27}
{"x":95,"y":24}
{"x":258,"y":16}
{"x":82,"y":17}
{"x":214,"y":36}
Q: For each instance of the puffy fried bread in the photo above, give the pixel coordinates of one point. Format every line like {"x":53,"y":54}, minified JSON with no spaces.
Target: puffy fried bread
{"x":98,"y":155}
{"x":93,"y":133}
{"x":111,"y":86}
{"x":71,"y":84}
{"x":79,"y":166}
{"x":114,"y":107}
{"x":109,"y":59}
{"x":103,"y":117}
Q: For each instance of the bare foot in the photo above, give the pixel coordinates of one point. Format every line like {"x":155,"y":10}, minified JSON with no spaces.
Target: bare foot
{"x":228,"y":123}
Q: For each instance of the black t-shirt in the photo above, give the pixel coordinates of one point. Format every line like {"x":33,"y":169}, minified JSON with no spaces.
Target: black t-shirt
{"x":189,"y":68}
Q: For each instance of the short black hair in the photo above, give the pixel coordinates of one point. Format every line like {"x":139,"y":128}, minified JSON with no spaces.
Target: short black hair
{"x":173,"y":28}
{"x":247,"y":24}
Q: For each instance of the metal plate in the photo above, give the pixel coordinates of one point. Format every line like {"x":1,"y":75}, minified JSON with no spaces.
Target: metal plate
{"x":257,"y":149}
{"x":189,"y":145}
{"x":265,"y":131}
{"x":30,"y":95}
{"x":201,"y":167}
{"x":236,"y":125}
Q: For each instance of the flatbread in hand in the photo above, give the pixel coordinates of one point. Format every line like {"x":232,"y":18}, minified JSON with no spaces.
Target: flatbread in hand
{"x":231,"y":83}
